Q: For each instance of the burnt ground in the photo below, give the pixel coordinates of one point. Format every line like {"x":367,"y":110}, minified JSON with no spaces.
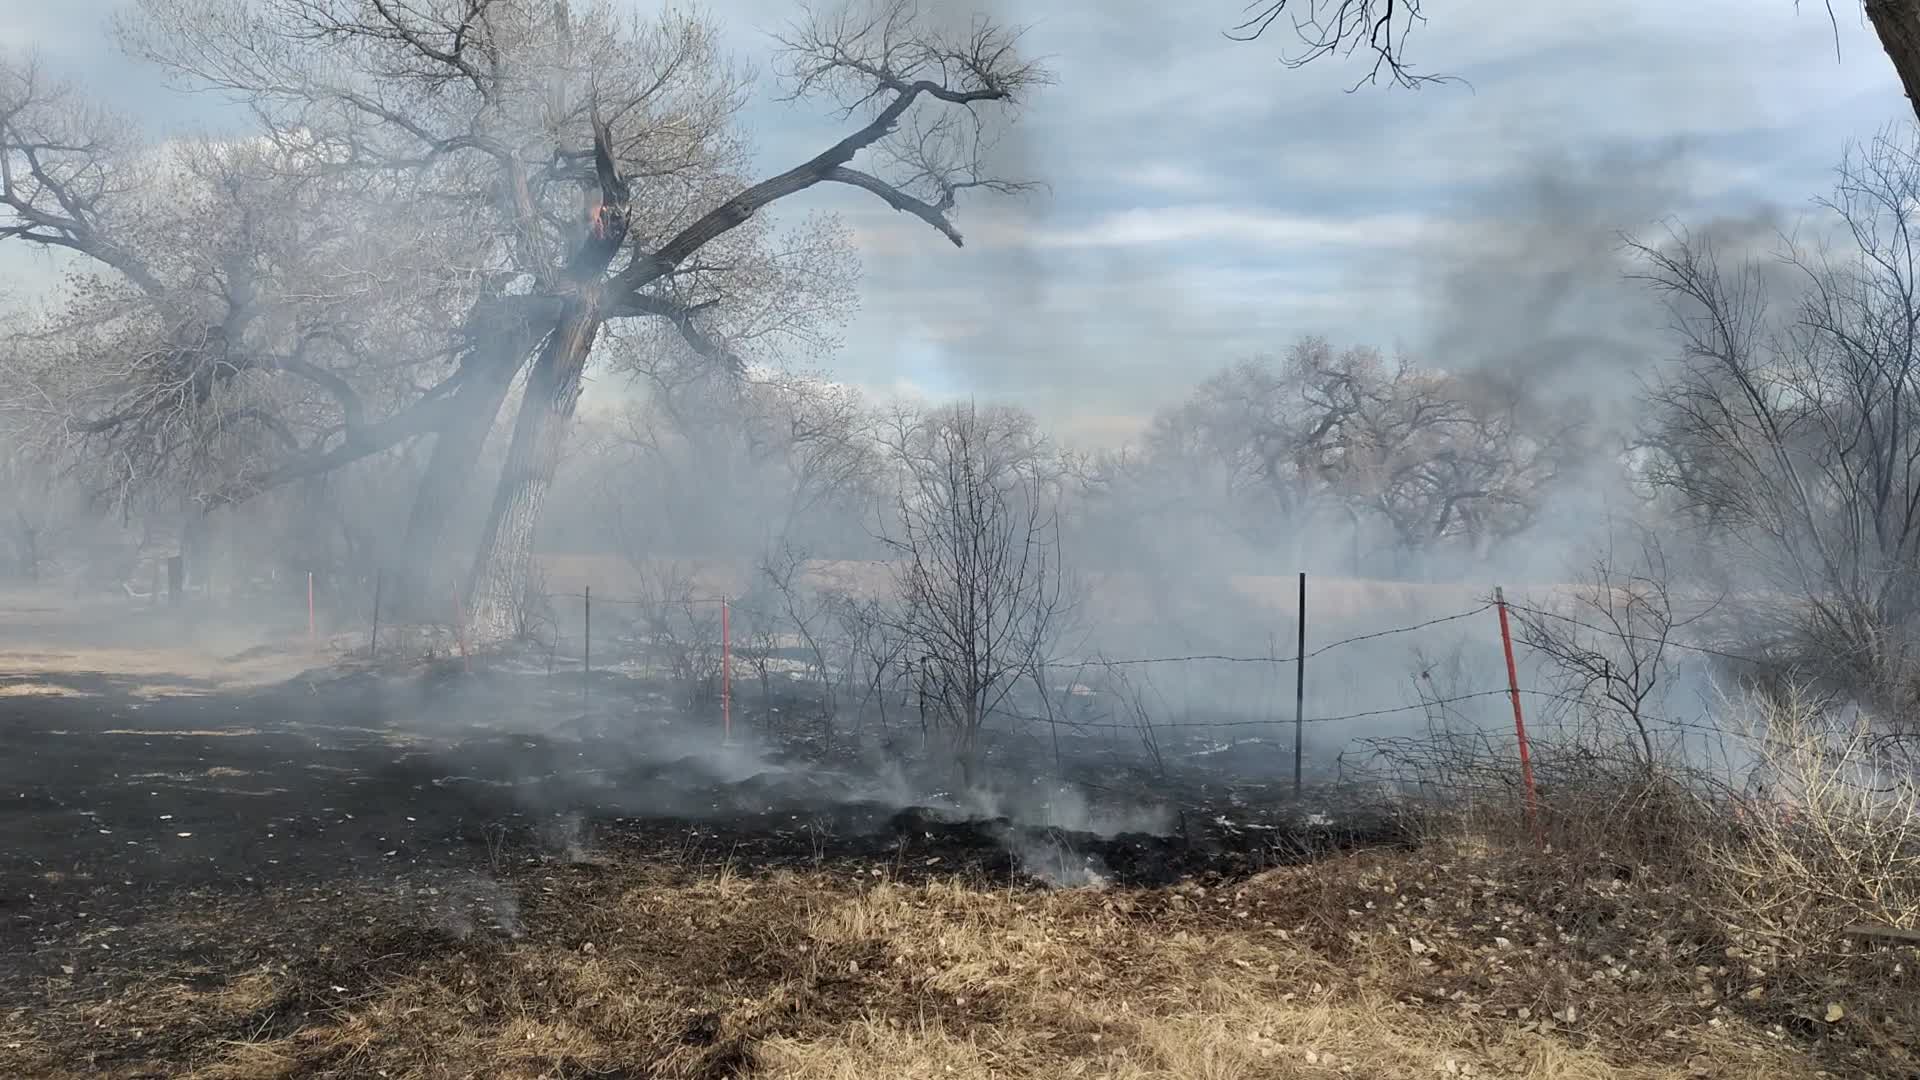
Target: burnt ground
{"x":426,"y":872}
{"x":427,"y":786}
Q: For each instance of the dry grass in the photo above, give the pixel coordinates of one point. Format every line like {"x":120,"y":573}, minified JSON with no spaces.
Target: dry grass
{"x":56,"y":635}
{"x":37,"y":689}
{"x":1836,"y":844}
{"x":1443,"y":963}
{"x":1746,"y":885}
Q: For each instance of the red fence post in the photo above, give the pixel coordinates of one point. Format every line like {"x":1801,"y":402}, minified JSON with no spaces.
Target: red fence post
{"x":726,"y":672}
{"x":1519,"y":722}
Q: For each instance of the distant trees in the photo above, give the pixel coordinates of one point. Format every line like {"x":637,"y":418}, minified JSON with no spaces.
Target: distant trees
{"x":1389,"y":454}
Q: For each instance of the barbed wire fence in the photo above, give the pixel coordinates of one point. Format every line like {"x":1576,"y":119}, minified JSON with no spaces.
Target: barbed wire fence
{"x":1361,"y":711}
{"x":1190,"y":698}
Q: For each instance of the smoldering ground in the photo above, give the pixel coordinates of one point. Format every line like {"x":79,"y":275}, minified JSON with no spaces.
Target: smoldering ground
{"x":435,"y":783}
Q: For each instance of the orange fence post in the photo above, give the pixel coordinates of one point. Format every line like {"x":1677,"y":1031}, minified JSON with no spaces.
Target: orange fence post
{"x":1519,"y":722}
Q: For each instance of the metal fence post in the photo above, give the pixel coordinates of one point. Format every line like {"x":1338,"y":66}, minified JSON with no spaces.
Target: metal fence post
{"x":1300,"y":691}
{"x":1519,"y":721}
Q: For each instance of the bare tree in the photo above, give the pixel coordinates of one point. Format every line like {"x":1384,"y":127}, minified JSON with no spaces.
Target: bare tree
{"x":230,"y":311}
{"x":977,"y":553}
{"x":1341,"y":27}
{"x":1393,"y":452}
{"x":1897,"y":22}
{"x":1789,"y":430}
{"x":36,"y":513}
{"x":552,"y":143}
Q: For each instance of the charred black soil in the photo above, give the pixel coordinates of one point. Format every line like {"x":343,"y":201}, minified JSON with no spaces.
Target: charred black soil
{"x":426,"y":787}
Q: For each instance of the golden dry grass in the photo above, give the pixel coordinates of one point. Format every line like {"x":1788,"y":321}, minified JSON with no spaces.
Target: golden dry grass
{"x":1310,"y":972}
{"x":37,"y":689}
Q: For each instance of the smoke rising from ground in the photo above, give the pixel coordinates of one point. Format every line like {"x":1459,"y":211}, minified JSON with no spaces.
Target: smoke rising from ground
{"x":1405,"y":493}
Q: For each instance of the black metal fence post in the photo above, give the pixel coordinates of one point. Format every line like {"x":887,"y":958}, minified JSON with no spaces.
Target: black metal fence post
{"x":1300,"y":690}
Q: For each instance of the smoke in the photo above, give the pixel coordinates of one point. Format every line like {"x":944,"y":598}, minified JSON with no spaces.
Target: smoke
{"x":475,"y":903}
{"x":1052,"y":805}
{"x":1542,"y":291}
{"x":1534,"y":293}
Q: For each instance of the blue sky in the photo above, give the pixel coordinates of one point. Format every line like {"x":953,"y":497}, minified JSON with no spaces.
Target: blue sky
{"x":1206,"y":203}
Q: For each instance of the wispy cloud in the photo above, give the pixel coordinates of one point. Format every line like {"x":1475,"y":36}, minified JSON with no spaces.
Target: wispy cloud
{"x":1248,"y":226}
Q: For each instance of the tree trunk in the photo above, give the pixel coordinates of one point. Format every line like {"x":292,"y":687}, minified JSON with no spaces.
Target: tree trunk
{"x":1898,"y":24}
{"x":455,"y":451}
{"x":193,"y":548}
{"x":29,"y":547}
{"x":497,"y":588}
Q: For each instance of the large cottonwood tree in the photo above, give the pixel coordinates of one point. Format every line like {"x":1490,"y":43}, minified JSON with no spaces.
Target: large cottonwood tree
{"x":582,"y":172}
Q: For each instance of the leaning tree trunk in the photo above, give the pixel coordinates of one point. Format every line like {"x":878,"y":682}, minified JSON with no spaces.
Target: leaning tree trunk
{"x":455,"y":451}
{"x":1898,"y":24}
{"x":497,"y":588}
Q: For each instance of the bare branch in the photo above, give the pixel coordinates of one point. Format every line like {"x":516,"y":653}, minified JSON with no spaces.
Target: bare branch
{"x":1327,"y":27}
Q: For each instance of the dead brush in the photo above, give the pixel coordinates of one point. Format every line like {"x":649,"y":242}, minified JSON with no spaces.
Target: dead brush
{"x":1598,"y":800}
{"x":1749,"y":877}
{"x":1829,"y":840}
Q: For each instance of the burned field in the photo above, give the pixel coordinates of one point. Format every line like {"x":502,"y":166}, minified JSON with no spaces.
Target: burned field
{"x":426,"y":872}
{"x":317,"y":780}
{"x":205,"y":831}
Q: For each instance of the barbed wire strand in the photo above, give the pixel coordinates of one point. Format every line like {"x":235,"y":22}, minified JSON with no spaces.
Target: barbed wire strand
{"x":1628,"y":635}
{"x":1662,"y":723}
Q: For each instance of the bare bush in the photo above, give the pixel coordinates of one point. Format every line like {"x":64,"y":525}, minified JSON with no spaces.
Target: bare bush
{"x":756,"y":645}
{"x":877,"y":651}
{"x":1611,"y":779}
{"x":805,"y":612}
{"x":680,"y":628}
{"x":979,"y":572}
{"x":1829,"y":838}
{"x":1787,"y":432}
{"x":1130,"y":695}
{"x":1608,"y":646}
{"x":1811,"y":829}
{"x":533,"y":617}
